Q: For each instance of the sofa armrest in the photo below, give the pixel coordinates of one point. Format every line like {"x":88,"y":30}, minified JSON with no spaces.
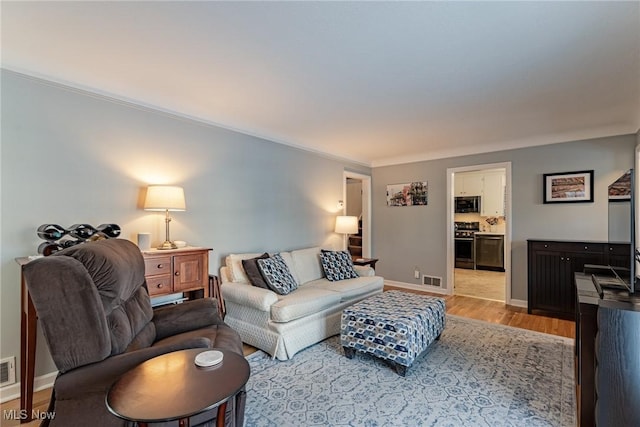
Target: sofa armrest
{"x":247,"y":295}
{"x":364,"y":270}
{"x":175,"y":319}
{"x":225,"y":274}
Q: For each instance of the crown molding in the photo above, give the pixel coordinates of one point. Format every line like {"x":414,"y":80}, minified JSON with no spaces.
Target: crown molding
{"x":145,"y":106}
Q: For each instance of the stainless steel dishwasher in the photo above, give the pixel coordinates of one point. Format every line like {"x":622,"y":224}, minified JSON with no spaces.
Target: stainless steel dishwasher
{"x":489,"y":251}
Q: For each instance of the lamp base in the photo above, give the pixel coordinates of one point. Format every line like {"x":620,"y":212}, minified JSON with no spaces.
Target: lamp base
{"x":167,"y":245}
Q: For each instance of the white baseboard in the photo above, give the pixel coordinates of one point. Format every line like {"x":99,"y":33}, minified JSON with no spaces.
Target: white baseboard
{"x":518,"y":303}
{"x":437,"y":290}
{"x":12,"y":391}
{"x":426,"y":288}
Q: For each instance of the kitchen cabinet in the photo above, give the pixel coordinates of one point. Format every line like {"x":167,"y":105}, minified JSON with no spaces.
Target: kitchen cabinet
{"x":178,"y":270}
{"x":489,"y":185}
{"x":493,"y":187}
{"x":552,"y":265}
{"x":468,"y":184}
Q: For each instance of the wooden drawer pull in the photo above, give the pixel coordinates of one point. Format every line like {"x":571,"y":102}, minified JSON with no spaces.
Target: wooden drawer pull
{"x":159,"y":285}
{"x":159,"y":266}
{"x":177,"y":273}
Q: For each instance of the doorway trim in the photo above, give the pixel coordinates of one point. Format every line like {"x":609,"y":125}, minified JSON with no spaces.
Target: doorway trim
{"x":450,"y":223}
{"x":366,"y":207}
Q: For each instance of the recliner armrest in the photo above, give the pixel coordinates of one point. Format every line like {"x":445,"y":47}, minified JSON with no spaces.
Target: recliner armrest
{"x":190,"y":315}
{"x":98,"y":377}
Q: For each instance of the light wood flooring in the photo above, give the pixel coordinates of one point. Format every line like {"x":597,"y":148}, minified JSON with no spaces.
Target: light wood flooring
{"x":473,"y":308}
{"x":500,"y":313}
{"x":483,"y":284}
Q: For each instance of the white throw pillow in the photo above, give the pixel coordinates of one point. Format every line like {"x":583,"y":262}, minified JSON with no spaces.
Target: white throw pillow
{"x":234,"y":262}
{"x":307,"y":264}
{"x":286,"y":256}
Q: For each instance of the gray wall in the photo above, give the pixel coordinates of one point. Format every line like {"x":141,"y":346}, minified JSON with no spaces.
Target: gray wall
{"x":404,"y":238}
{"x":70,"y":157}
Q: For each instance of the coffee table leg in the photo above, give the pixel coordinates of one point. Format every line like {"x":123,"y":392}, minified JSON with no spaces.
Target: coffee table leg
{"x":184,"y":422}
{"x":222,"y":409}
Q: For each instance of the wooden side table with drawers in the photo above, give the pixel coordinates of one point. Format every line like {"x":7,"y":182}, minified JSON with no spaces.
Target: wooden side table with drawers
{"x":177,"y":270}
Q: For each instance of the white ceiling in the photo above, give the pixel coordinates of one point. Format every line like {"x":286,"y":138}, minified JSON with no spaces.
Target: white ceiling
{"x":375,"y":82}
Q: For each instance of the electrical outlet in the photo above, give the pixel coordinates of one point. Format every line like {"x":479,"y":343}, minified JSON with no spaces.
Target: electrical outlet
{"x":416,"y":273}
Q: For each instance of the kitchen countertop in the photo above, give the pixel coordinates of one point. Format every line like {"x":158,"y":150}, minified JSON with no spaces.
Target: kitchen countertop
{"x":489,"y":233}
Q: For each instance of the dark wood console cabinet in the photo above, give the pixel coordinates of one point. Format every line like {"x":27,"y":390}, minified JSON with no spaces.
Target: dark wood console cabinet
{"x":552,"y":264}
{"x":607,"y":350}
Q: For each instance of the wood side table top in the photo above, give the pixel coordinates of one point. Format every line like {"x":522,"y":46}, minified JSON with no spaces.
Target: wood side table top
{"x":365,"y":261}
{"x":172,"y":387}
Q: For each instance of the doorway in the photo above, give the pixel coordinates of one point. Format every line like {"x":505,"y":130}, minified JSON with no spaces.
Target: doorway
{"x":357,"y":202}
{"x":479,"y":230}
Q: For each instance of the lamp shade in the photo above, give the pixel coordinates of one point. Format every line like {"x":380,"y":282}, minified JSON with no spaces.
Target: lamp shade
{"x":164,"y":198}
{"x":347,"y":224}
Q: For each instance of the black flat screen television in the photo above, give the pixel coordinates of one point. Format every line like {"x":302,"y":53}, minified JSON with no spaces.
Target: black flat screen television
{"x":623,"y":247}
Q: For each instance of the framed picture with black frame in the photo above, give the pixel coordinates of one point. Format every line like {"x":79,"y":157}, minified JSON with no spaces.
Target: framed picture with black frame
{"x":568,"y":187}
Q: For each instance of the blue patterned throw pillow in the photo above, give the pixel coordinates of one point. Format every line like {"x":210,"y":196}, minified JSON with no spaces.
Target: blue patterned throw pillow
{"x":277,"y":275}
{"x":337,"y":265}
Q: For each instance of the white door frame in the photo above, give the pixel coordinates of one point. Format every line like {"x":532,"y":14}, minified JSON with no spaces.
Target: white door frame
{"x":450,"y":223}
{"x":366,"y":207}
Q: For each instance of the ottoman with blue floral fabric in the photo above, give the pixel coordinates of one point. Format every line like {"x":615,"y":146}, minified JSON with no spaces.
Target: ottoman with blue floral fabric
{"x":395,"y":326}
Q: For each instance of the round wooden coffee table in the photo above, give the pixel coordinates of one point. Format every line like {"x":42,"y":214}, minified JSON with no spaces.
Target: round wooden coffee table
{"x":172,"y":387}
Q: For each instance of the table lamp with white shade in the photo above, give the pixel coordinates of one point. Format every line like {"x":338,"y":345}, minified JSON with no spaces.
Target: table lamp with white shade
{"x":346,"y":225}
{"x":165,"y":198}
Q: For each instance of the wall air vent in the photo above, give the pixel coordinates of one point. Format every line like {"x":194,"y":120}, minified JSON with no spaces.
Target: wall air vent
{"x":7,"y":371}
{"x":431,"y":280}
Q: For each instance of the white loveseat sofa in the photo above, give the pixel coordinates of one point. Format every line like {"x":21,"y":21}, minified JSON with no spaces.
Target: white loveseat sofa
{"x":282,"y":325}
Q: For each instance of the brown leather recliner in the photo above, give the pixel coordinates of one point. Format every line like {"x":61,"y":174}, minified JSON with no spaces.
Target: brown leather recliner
{"x":96,"y":315}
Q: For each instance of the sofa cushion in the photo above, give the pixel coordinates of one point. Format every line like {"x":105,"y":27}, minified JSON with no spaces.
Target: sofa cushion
{"x":234,"y":262}
{"x":307,"y":264}
{"x":252,"y":271}
{"x":286,"y":256}
{"x":337,"y":265}
{"x":277,"y":275}
{"x":350,"y":288}
{"x":305,"y":301}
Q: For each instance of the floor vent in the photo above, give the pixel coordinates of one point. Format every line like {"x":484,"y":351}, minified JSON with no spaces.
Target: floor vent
{"x":7,"y":371}
{"x":431,"y":280}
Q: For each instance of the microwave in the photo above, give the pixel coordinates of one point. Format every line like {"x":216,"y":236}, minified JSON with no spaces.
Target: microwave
{"x":467,"y":204}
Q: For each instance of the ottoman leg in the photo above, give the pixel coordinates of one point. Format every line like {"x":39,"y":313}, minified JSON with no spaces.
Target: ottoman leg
{"x":349,"y":352}
{"x":400,"y":369}
{"x":438,"y":337}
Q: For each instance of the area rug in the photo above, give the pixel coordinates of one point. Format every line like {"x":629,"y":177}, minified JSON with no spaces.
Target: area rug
{"x":477,"y":374}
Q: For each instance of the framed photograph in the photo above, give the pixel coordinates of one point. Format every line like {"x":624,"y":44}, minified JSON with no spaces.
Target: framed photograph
{"x":568,"y":187}
{"x":408,"y":194}
{"x":620,"y":190}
